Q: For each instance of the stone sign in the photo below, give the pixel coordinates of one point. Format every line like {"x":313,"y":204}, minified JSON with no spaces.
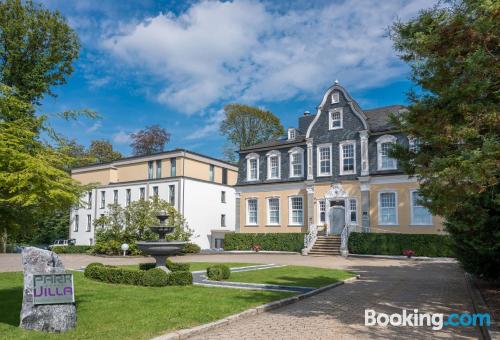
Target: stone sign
{"x":53,"y":289}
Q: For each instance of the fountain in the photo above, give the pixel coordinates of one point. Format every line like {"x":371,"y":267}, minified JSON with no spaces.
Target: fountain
{"x":161,"y":248}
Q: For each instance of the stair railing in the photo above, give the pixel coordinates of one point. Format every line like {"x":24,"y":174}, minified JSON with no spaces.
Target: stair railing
{"x":310,"y":239}
{"x":344,"y":240}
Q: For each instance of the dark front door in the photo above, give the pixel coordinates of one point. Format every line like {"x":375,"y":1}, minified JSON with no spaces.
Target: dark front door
{"x":337,"y":219}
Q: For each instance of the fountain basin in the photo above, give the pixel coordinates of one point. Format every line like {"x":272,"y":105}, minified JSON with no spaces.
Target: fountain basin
{"x":161,"y":248}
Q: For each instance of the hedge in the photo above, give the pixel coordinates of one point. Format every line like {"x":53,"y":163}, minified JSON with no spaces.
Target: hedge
{"x":218,"y":272}
{"x":154,"y":277}
{"x":71,"y":249}
{"x":393,"y":244}
{"x":173,"y":266}
{"x":191,"y":248}
{"x":270,"y":241}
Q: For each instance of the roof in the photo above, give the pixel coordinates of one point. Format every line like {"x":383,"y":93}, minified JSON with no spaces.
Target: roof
{"x":275,"y":142}
{"x":378,"y":118}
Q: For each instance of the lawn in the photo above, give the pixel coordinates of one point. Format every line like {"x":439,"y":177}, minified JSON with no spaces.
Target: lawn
{"x":107,"y":311}
{"x":194,"y":266}
{"x":293,"y":276}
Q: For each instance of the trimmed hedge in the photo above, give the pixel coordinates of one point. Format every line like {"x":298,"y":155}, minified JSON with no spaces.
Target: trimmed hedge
{"x":393,"y":244}
{"x":191,"y":248}
{"x":218,"y":272}
{"x":152,"y":277}
{"x":147,"y":266}
{"x":71,"y":249}
{"x":270,"y":241}
{"x":173,"y":266}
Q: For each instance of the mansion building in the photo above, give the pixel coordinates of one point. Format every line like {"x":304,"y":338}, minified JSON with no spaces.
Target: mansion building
{"x":333,"y":170}
{"x":201,"y":188}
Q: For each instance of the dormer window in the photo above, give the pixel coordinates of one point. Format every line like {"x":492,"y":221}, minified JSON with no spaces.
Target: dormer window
{"x":296,"y":162}
{"x":384,"y":145}
{"x":335,"y":97}
{"x":273,"y":164}
{"x":335,"y":118}
{"x":292,"y":133}
{"x":252,"y":167}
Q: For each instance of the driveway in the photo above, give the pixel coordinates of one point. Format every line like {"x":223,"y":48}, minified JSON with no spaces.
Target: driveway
{"x":386,"y":285}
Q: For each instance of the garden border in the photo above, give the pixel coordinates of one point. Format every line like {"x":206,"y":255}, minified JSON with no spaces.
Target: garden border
{"x":186,"y":333}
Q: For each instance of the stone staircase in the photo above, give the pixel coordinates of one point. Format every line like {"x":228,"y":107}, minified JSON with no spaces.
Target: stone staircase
{"x":326,"y":245}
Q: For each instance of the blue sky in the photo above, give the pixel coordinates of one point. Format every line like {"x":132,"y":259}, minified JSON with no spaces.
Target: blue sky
{"x":177,"y":63}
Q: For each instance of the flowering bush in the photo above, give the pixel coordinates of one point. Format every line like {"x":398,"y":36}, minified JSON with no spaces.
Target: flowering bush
{"x":256,"y":247}
{"x":408,"y":253}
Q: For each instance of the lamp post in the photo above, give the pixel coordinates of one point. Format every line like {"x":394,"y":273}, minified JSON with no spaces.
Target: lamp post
{"x":125,"y":248}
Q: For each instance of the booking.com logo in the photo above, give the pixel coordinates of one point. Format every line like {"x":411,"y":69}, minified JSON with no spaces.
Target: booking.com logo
{"x":435,"y":320}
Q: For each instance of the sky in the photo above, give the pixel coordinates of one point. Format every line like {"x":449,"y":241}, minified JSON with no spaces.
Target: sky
{"x":178,"y":63}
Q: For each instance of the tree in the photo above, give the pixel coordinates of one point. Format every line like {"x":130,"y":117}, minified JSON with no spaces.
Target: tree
{"x":37,"y":48}
{"x":245,"y":126}
{"x":453,"y":52}
{"x":102,"y":151}
{"x":150,"y":140}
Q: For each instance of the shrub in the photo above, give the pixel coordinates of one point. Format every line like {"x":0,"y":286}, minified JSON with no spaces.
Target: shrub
{"x":92,"y":270}
{"x":394,"y":244}
{"x":177,"y":267}
{"x":155,"y":277}
{"x":191,"y":248}
{"x":218,"y":272}
{"x":269,"y":241}
{"x":147,"y":266}
{"x":181,"y":278}
{"x":71,"y":249}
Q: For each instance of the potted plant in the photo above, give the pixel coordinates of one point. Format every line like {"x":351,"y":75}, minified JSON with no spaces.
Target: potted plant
{"x":256,"y":247}
{"x":408,"y":253}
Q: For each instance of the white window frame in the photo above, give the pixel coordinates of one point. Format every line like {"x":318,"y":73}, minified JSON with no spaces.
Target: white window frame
{"x":379,"y":205}
{"x":292,"y":134}
{"x":341,"y":157}
{"x":319,"y":211}
{"x":89,"y":200}
{"x":223,"y":220}
{"x":355,"y":211}
{"x":382,"y":140}
{"x":142,"y":193}
{"x":77,"y":223}
{"x":223,"y":196}
{"x":171,"y":194}
{"x":335,"y":97}
{"x":211,"y":173}
{"x":273,"y":153}
{"x":290,"y":214}
{"x":88,"y":228}
{"x":318,"y":160}
{"x":412,"y":211}
{"x":249,"y":157}
{"x":269,"y":211}
{"x":115,"y":196}
{"x":102,"y":204}
{"x":128,"y":196}
{"x":247,"y":217}
{"x":300,"y":152}
{"x":330,"y":118}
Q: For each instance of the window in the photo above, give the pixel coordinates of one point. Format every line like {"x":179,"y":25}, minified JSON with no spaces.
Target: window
{"x":324,"y":160}
{"x":128,"y":197}
{"x":89,"y":222}
{"x":387,"y":212}
{"x":222,"y":220}
{"x":347,"y":158}
{"x":173,"y":167}
{"x":223,"y":197}
{"x":211,"y":173}
{"x":142,"y":194}
{"x":150,"y":170}
{"x":158,"y":168}
{"x":171,"y":194}
{"x":413,"y":144}
{"x":77,"y":223}
{"x":335,"y":97}
{"x":296,"y":210}
{"x":420,"y":215}
{"x":224,"y":176}
{"x":335,"y":118}
{"x":322,"y":211}
{"x":219,"y":243}
{"x":273,"y":211}
{"x":252,"y":211}
{"x":384,"y":144}
{"x":103,"y":199}
{"x":155,"y":191}
{"x":252,"y":167}
{"x":115,"y":196}
{"x":296,"y":162}
{"x":353,"y":211}
{"x":89,"y":200}
{"x":291,"y":134}
{"x":273,"y":165}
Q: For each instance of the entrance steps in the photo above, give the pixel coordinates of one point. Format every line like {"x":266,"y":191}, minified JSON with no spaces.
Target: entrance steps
{"x":326,"y":245}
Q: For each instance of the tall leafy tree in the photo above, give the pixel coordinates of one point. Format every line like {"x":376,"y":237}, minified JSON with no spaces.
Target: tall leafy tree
{"x":150,"y":140}
{"x":454,"y":55}
{"x":245,"y":126}
{"x":37,"y":48}
{"x":102,"y":151}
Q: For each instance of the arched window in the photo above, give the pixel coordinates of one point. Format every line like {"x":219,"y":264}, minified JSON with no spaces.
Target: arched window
{"x":384,"y":145}
{"x":252,"y":167}
{"x":296,"y":156}
{"x":273,"y":164}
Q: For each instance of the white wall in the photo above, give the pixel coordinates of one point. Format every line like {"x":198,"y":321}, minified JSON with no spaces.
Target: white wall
{"x":203,"y":209}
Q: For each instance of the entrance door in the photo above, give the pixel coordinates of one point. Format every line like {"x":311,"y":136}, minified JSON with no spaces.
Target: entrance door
{"x":337,"y":219}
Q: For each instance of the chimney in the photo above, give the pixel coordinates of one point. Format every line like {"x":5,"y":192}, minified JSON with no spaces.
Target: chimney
{"x":307,"y":113}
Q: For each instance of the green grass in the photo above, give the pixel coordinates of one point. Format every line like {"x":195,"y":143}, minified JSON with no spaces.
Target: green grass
{"x":194,"y":266}
{"x":107,"y":311}
{"x":293,"y":276}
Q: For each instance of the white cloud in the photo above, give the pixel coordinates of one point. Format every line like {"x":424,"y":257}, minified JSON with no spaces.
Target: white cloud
{"x":121,"y":137}
{"x":96,"y":126}
{"x":211,"y":127}
{"x":243,"y":50}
